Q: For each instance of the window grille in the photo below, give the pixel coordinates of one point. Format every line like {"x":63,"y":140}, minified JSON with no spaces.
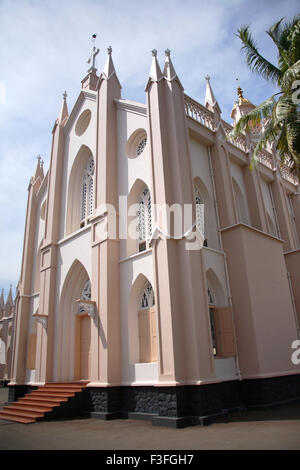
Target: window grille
{"x":141,"y":146}
{"x":85,"y":295}
{"x":210,"y":296}
{"x":148,"y":299}
{"x":87,"y":190}
{"x":144,"y":218}
{"x":200,"y":222}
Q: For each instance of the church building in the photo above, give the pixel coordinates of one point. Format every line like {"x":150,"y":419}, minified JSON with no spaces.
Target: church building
{"x":160,"y":275}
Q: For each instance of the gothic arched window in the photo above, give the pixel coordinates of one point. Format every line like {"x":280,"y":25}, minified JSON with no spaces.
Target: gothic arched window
{"x":86,"y":292}
{"x":87,"y":189}
{"x":147,"y":299}
{"x":144,"y":218}
{"x":200,"y":221}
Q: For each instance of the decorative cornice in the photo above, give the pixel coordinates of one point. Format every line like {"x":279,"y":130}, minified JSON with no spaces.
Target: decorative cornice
{"x":131,"y":106}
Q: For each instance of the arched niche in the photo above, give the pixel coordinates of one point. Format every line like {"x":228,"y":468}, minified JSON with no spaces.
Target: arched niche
{"x":74,"y":198}
{"x":215,"y":286}
{"x":241,"y":202}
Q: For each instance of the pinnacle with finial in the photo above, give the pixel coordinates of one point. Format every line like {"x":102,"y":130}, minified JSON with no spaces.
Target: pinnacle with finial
{"x":109,"y":50}
{"x":207,"y":78}
{"x":40,"y":160}
{"x":154,"y":52}
{"x":65,"y":95}
{"x":167,"y":52}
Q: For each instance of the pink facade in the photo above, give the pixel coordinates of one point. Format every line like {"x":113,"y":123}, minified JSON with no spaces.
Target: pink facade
{"x":7,"y":319}
{"x":153,"y":311}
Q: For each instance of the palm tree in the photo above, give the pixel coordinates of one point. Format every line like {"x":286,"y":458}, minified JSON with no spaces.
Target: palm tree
{"x":278,"y":115}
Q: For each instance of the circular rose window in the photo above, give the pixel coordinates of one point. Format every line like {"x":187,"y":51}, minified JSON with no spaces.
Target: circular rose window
{"x":83,"y":122}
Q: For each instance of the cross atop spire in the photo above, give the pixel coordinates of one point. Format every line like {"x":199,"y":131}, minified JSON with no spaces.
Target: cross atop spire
{"x":94,"y":53}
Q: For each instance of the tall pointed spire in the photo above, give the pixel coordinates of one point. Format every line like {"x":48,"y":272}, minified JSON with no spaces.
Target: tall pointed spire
{"x":2,"y":304}
{"x":64,"y":109}
{"x":39,"y":171}
{"x":169,"y":70}
{"x":9,"y":300}
{"x":155,"y":71}
{"x":210,"y":100}
{"x":109,"y":68}
{"x":155,"y":74}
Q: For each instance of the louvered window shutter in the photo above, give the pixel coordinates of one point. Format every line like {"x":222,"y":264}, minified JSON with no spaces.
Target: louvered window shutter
{"x":31,"y":351}
{"x":225,"y":332}
{"x":144,"y":336}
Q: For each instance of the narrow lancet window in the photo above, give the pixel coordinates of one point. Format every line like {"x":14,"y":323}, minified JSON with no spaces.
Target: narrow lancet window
{"x":144,"y":219}
{"x":87,"y":191}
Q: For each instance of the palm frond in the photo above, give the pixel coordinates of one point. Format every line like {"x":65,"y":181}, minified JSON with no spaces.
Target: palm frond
{"x":257,"y":63}
{"x":270,"y":133}
{"x":275,"y":33}
{"x":290,"y":76}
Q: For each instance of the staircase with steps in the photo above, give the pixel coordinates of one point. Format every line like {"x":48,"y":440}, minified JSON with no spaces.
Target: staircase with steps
{"x":52,"y":400}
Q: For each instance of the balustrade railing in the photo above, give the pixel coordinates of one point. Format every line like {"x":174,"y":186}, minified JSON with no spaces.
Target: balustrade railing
{"x":204,"y":116}
{"x":198,"y":112}
{"x":239,"y":141}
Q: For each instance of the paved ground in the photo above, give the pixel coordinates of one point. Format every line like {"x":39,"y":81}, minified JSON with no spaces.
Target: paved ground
{"x":273,"y":429}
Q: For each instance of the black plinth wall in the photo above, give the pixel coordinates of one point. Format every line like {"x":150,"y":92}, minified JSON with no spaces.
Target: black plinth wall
{"x":181,"y":405}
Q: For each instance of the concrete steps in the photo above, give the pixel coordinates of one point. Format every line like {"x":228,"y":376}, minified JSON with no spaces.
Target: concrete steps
{"x":35,"y":405}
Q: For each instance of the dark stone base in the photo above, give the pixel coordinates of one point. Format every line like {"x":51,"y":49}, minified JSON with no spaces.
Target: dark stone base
{"x":191,"y":405}
{"x":19,"y":391}
{"x":179,"y":406}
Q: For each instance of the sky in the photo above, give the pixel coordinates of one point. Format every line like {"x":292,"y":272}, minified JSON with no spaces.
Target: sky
{"x":44,"y":47}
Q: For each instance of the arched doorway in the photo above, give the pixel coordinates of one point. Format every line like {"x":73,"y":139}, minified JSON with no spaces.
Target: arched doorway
{"x":74,"y":327}
{"x":83,"y":337}
{"x":147,"y":326}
